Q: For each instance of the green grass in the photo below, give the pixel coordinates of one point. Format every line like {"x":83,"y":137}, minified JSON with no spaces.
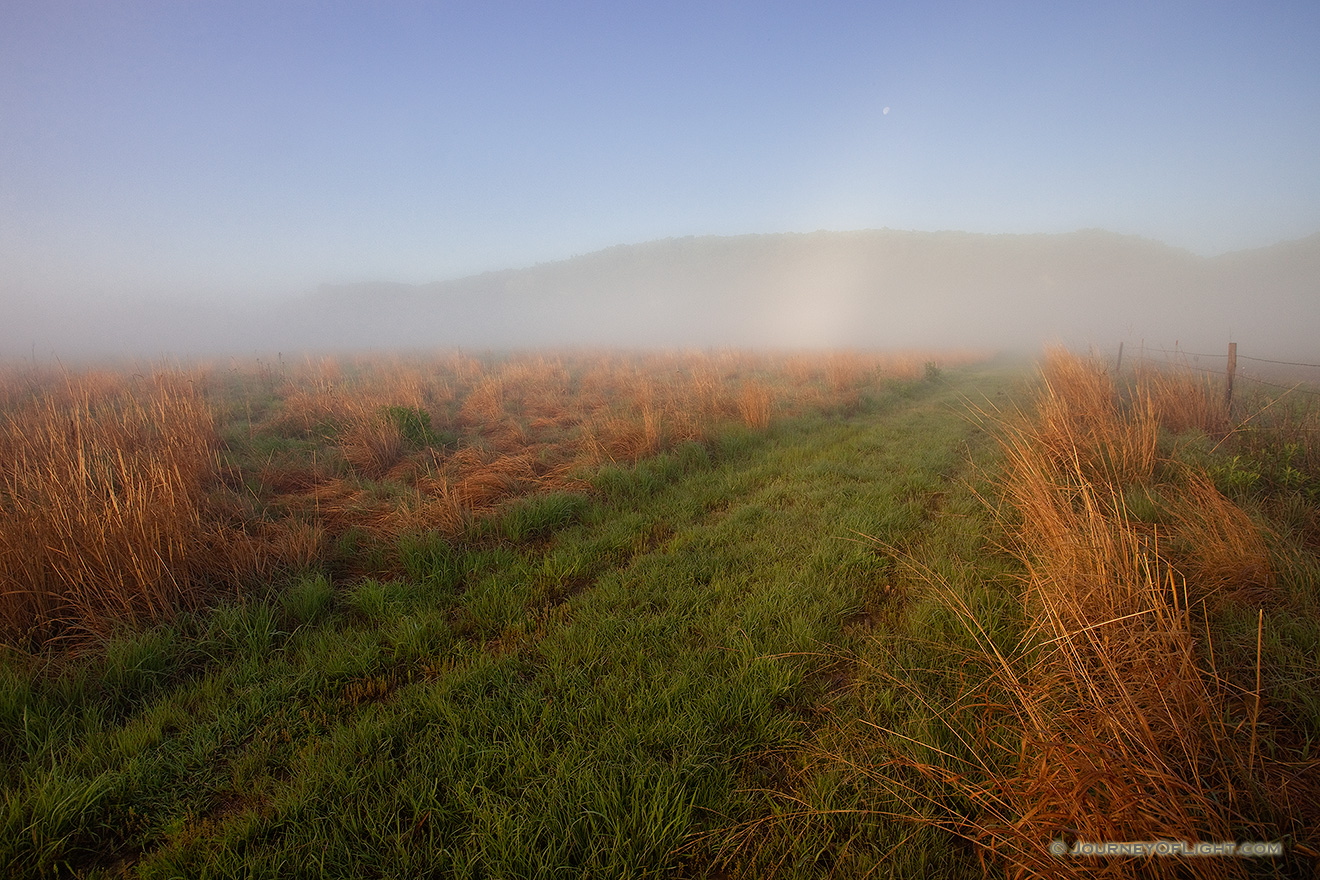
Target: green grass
{"x":575,"y":686}
{"x":662,"y":676}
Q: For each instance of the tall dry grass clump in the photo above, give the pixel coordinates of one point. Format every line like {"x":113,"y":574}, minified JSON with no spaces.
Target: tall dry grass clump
{"x":1079,"y":419}
{"x":754,"y":404}
{"x":1182,"y":399}
{"x":102,"y":483}
{"x":372,"y":443}
{"x":1215,"y":547}
{"x":1128,"y":731}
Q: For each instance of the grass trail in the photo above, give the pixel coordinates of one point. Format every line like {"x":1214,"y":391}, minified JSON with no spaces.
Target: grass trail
{"x":1176,"y":701}
{"x":592,"y":685}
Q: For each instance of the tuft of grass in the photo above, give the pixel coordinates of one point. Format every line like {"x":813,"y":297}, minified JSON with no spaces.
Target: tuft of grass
{"x":103,"y":490}
{"x":432,"y":560}
{"x":307,"y":600}
{"x":754,"y":404}
{"x":414,"y":424}
{"x":1182,"y":399}
{"x":372,"y":444}
{"x":541,"y":515}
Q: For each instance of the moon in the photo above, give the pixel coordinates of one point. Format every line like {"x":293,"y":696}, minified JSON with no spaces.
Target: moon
{"x":885,"y":111}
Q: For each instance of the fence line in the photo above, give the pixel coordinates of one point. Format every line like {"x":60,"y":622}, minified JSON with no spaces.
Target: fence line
{"x":1159,"y":363}
{"x":1285,"y":363}
{"x":1231,"y":368}
{"x":1292,"y":388}
{"x":1182,"y":351}
{"x":1179,"y":351}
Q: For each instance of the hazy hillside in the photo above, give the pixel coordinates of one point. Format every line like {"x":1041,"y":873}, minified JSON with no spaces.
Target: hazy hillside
{"x":868,"y":288}
{"x":855,"y":288}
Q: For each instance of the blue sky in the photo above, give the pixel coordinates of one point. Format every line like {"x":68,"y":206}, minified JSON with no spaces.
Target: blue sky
{"x":235,"y":148}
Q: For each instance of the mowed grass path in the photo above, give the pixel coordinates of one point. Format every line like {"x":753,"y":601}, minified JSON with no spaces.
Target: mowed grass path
{"x":590,"y":686}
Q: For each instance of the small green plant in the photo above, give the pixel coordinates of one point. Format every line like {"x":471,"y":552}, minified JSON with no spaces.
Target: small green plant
{"x":1285,"y":472}
{"x":414,"y":426}
{"x":933,"y":371}
{"x":1237,"y":475}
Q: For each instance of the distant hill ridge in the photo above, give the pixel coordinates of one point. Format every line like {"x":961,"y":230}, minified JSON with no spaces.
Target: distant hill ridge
{"x":864,"y":288}
{"x":872,"y":288}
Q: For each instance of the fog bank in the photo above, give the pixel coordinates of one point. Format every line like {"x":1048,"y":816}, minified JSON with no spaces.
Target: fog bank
{"x":876,"y":288}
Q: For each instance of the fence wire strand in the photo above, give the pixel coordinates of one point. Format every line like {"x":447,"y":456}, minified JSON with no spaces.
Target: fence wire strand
{"x":1291,"y":388}
{"x":1284,"y":363}
{"x":1202,"y":354}
{"x":1238,"y":374}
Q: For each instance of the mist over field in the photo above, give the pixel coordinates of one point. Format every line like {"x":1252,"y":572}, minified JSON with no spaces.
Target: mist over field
{"x":434,"y":441}
{"x":874,"y":288}
{"x":195,"y":179}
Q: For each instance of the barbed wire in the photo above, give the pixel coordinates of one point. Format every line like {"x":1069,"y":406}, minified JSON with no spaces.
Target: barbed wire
{"x":1248,"y":357}
{"x":1291,"y":388}
{"x":1183,"y":352}
{"x":1159,"y":363}
{"x":1238,"y":375}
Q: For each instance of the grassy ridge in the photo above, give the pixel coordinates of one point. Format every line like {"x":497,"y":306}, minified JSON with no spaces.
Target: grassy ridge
{"x":591,"y":682}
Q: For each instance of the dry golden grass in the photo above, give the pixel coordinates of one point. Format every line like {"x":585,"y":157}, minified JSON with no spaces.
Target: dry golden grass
{"x":1079,"y":418}
{"x":1181,"y":399}
{"x":116,"y":506}
{"x":1129,"y":732}
{"x":102,"y":483}
{"x":1125,"y":737}
{"x":372,"y":444}
{"x":754,"y":404}
{"x":1216,"y":548}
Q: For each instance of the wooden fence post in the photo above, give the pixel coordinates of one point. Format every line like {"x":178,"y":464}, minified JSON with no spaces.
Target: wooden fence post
{"x":1119,"y":366}
{"x":1228,"y":374}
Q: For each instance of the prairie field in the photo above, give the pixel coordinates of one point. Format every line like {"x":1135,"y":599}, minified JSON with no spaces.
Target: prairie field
{"x":641,"y":614}
{"x":136,"y":491}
